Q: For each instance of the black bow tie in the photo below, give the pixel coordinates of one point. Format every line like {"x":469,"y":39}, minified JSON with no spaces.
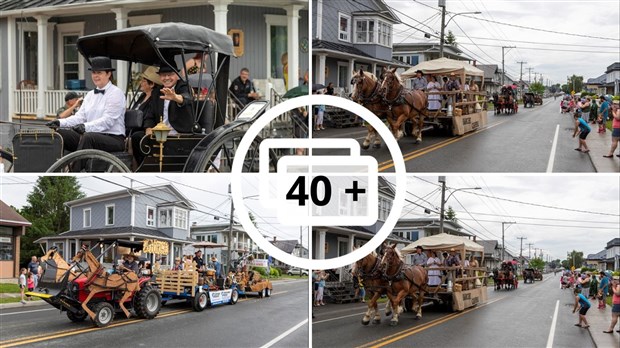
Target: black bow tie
{"x":97,"y":91}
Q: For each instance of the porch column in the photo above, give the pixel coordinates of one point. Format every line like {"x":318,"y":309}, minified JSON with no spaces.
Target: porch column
{"x":320,"y":245}
{"x":350,"y":72}
{"x":121,"y":66}
{"x":320,"y":70}
{"x":374,"y":68}
{"x":220,"y":11}
{"x":292,"y":36}
{"x":351,"y":243}
{"x":171,"y":254}
{"x":41,"y":64}
{"x":11,"y":67}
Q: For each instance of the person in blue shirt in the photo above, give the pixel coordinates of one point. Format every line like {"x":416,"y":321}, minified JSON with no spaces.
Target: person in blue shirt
{"x":581,"y":303}
{"x":603,"y":288}
{"x":603,"y":112}
{"x":582,"y":127}
{"x":217,"y":266}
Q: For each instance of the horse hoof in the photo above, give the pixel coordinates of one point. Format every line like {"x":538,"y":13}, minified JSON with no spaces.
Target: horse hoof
{"x":417,"y":141}
{"x":365,"y":147}
{"x":393,"y":323}
{"x":364,"y":322}
{"x":376,"y":321}
{"x":376,"y":146}
{"x":387,"y":314}
{"x":418,"y":317}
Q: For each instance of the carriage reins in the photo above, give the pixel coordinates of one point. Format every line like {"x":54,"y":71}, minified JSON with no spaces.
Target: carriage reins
{"x":373,"y":94}
{"x":401,"y":274}
{"x":400,"y":99}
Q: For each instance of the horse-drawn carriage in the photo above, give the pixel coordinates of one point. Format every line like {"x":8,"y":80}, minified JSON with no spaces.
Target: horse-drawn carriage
{"x":506,"y":101}
{"x":529,"y":100}
{"x":505,"y":277}
{"x":538,"y":100}
{"x":210,"y":146}
{"x":93,"y":291}
{"x":528,"y":275}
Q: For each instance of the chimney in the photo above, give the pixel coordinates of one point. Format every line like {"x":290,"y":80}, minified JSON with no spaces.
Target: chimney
{"x":274,"y":238}
{"x":194,"y":223}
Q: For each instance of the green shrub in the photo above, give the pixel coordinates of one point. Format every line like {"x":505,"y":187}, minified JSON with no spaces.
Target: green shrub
{"x":261,"y":270}
{"x":275,"y":272}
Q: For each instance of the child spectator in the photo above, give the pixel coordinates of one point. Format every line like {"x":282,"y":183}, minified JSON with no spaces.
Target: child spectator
{"x":22,"y":284}
{"x":30,"y":283}
{"x":581,"y":303}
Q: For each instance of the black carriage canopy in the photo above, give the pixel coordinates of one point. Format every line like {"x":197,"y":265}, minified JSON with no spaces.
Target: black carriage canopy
{"x":148,"y":43}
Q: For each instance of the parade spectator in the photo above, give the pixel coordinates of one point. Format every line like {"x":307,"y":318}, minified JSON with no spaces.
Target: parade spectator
{"x":434,"y":100}
{"x":330,"y":89}
{"x":318,"y":300}
{"x":593,"y":111}
{"x":33,"y":267}
{"x":453,"y":259}
{"x":433,"y":263}
{"x":217,"y":266}
{"x":318,"y":125}
{"x":584,"y":282}
{"x":22,"y":284}
{"x":603,"y":289}
{"x":419,"y":82}
{"x":243,"y":88}
{"x":603,"y":114}
{"x":30,"y":283}
{"x":419,"y":258}
{"x":615,"y":125}
{"x":178,"y":266}
{"x":171,"y":104}
{"x":72,"y":105}
{"x":584,"y":105}
{"x":582,"y":127}
{"x":593,"y":286}
{"x":615,"y":304}
{"x":315,"y":286}
{"x":100,"y":122}
{"x":362,"y":290}
{"x":581,"y":303}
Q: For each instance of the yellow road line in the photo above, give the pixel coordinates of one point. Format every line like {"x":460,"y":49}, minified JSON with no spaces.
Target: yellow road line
{"x":417,"y":153}
{"x":414,"y":330}
{"x":46,"y":337}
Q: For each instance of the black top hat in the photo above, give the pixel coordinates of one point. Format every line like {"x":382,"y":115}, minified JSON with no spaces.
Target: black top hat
{"x":101,"y":64}
{"x":170,"y":66}
{"x":419,"y":71}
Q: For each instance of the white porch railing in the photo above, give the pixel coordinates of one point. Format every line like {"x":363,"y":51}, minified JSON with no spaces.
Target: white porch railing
{"x":27,"y":103}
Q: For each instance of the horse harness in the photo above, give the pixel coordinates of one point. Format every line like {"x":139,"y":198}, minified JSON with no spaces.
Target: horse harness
{"x":400,"y":99}
{"x":401,"y":274}
{"x":374,"y":274}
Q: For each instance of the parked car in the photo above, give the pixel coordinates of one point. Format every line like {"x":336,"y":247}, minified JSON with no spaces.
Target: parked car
{"x":297,"y":271}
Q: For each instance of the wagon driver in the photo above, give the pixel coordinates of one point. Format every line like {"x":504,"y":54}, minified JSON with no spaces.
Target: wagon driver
{"x":131,"y":263}
{"x":100,"y":122}
{"x":419,"y":258}
{"x":419,"y":82}
{"x":172,"y":102}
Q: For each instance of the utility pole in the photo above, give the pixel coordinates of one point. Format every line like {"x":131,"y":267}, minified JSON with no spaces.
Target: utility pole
{"x":230,"y":232}
{"x":442,"y":4}
{"x":442,"y":180}
{"x":529,"y":251}
{"x":529,"y":79}
{"x":521,"y":73}
{"x":504,"y":245}
{"x":521,"y":252}
{"x":503,"y":70}
{"x":535,"y":252}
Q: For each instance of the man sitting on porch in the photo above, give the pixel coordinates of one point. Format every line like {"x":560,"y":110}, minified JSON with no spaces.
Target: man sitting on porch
{"x":100,"y":122}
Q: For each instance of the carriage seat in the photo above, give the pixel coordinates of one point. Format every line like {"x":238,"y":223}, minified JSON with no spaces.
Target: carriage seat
{"x":134,"y":120}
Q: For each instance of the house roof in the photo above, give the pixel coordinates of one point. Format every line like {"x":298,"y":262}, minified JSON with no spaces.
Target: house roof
{"x":429,"y":47}
{"x":489,"y":246}
{"x":612,"y":243}
{"x":10,"y":217}
{"x":489,"y":70}
{"x":350,"y":51}
{"x":383,"y":10}
{"x":135,"y":191}
{"x":7,"y":5}
{"x":285,"y":245}
{"x":114,"y":232}
{"x":597,"y":80}
{"x":598,"y":256}
{"x":613,"y":67}
{"x":448,"y":225}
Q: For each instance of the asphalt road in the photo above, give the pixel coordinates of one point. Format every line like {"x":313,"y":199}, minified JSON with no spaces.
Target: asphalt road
{"x":517,"y":318}
{"x":278,"y":321}
{"x":522,"y":142}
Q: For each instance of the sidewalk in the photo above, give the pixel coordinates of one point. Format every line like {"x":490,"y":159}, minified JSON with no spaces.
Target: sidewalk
{"x":599,"y":321}
{"x":599,"y":145}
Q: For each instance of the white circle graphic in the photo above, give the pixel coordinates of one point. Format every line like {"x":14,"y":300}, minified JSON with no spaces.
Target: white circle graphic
{"x":400,"y":178}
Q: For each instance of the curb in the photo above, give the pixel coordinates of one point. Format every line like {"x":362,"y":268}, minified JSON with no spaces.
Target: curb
{"x":20,"y":305}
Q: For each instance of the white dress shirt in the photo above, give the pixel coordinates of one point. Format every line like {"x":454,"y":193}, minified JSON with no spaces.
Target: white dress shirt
{"x":165,"y":119}
{"x":101,"y":113}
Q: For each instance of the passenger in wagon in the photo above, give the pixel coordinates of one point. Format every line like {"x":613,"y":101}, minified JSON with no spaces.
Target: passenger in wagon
{"x":131,"y":263}
{"x":100,"y":122}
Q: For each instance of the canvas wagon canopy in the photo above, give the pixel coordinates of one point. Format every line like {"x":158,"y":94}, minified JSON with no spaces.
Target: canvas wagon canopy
{"x":146,"y":44}
{"x":444,"y":66}
{"x":444,"y":241}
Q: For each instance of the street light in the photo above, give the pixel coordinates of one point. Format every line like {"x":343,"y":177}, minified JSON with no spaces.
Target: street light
{"x":442,"y":180}
{"x":442,"y":4}
{"x":503,"y":245}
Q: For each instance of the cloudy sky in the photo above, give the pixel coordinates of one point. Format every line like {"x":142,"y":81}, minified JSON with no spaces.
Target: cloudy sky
{"x":555,"y":213}
{"x":555,"y":55}
{"x":209,"y":193}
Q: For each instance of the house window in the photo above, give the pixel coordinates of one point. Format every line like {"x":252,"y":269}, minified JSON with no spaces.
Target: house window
{"x":212,"y":238}
{"x":109,"y":215}
{"x":180,"y":218}
{"x":364,"y":31}
{"x":86,"y":218}
{"x":385,"y":34}
{"x":415,"y":60}
{"x":150,"y":216}
{"x":6,"y":244}
{"x":344,"y":27}
{"x":165,"y":217}
{"x":71,"y":56}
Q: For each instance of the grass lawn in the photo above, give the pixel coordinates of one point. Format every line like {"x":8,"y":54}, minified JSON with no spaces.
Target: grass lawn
{"x":9,"y":288}
{"x":16,"y":299}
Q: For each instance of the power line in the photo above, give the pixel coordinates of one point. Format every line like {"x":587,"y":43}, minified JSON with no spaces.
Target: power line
{"x":539,"y":42}
{"x":548,"y":219}
{"x":542,"y":49}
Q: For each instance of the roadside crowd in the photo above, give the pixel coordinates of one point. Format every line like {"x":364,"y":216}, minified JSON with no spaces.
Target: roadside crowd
{"x":587,"y":112}
{"x":589,"y":287}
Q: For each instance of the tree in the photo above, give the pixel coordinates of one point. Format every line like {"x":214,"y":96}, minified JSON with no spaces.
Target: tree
{"x":450,"y":39}
{"x":537,"y":263}
{"x":47,"y":212}
{"x":575,"y":83}
{"x":574,"y":258}
{"x":537,"y":88}
{"x":450,"y":215}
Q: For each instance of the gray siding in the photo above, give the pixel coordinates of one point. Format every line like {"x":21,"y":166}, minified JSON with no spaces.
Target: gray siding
{"x":5,"y":130}
{"x":377,"y":51}
{"x":152,"y":199}
{"x":330,"y":17}
{"x":122,"y":214}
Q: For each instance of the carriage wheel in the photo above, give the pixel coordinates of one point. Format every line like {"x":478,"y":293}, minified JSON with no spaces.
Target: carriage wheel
{"x":89,"y":160}
{"x":218,"y":157}
{"x":7,"y":156}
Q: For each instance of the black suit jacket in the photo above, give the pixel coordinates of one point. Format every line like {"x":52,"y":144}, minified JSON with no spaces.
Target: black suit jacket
{"x":180,"y":116}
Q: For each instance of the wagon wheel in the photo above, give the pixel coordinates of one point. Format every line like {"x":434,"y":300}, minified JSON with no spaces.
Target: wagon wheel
{"x":89,"y":160}
{"x":219,"y":154}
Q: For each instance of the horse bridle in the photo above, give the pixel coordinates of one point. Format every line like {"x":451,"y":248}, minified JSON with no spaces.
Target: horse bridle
{"x":388,"y":260}
{"x":374,"y":273}
{"x":387,"y":89}
{"x":361,"y":99}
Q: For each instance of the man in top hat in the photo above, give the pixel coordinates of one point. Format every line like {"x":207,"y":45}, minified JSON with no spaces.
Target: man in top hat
{"x":100,"y":122}
{"x":419,"y":258}
{"x":170,"y":104}
{"x":131,"y":262}
{"x":72,"y":105}
{"x":419,"y":81}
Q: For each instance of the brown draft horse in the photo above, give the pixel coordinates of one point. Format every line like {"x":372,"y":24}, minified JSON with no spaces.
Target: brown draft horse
{"x":366,"y":92}
{"x":405,"y":280}
{"x":404,"y":104}
{"x":55,"y":266}
{"x":368,"y":269}
{"x":100,"y":280}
